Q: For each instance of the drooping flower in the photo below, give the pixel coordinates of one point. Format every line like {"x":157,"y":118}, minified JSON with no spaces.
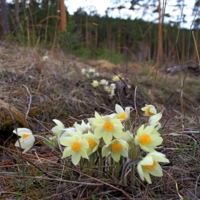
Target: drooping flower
{"x":116,"y":78}
{"x":149,"y":110}
{"x":107,"y":127}
{"x":76,"y":147}
{"x":122,"y":114}
{"x":27,"y":139}
{"x":59,"y":128}
{"x":95,"y":83}
{"x":92,"y":141}
{"x":147,"y":139}
{"x":117,"y":147}
{"x":150,"y":165}
{"x":154,"y":120}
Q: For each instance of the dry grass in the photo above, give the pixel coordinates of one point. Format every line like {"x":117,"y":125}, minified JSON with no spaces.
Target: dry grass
{"x":33,"y":92}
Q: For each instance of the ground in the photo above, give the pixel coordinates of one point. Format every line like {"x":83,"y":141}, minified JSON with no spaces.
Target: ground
{"x":35,"y":90}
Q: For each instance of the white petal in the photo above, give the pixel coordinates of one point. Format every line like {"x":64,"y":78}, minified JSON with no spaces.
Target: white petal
{"x":21,"y":131}
{"x":59,"y":123}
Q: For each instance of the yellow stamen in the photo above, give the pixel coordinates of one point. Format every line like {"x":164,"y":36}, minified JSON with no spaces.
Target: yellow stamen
{"x":145,"y":139}
{"x":108,"y":126}
{"x":76,"y":146}
{"x":121,"y":116}
{"x":149,"y":111}
{"x":150,"y":167}
{"x":92,"y":143}
{"x":25,"y":135}
{"x":116,"y":147}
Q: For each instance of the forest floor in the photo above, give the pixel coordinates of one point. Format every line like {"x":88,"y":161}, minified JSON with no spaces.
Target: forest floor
{"x":34,"y":91}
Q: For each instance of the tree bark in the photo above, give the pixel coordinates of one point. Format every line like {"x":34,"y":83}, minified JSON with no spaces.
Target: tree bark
{"x":63,"y":15}
{"x":4,"y":16}
{"x":16,"y":18}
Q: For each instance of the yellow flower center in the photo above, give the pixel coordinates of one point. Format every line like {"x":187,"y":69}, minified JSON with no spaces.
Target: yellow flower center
{"x":145,"y":139}
{"x":108,"y":126}
{"x":116,"y":147}
{"x":149,"y":111}
{"x":121,"y":115}
{"x":25,"y":135}
{"x":92,"y":143}
{"x":150,"y":167}
{"x":76,"y":146}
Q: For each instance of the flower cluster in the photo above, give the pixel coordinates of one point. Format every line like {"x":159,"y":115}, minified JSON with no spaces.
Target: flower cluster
{"x":90,"y":73}
{"x":106,"y":136}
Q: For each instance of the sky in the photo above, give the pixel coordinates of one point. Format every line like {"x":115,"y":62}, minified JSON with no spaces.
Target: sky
{"x":101,"y":5}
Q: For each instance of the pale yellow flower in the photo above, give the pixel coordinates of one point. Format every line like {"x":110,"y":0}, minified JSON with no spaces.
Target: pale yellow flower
{"x":149,"y":110}
{"x":116,"y":78}
{"x":83,"y":127}
{"x":107,"y":89}
{"x":76,"y":147}
{"x":83,"y":71}
{"x":107,"y":127}
{"x":59,"y":128}
{"x":103,"y":82}
{"x":95,"y":83}
{"x":92,"y":141}
{"x":91,"y":70}
{"x":122,"y":114}
{"x":150,"y":165}
{"x":117,"y":147}
{"x":27,"y":139}
{"x":147,"y":139}
{"x":154,"y":120}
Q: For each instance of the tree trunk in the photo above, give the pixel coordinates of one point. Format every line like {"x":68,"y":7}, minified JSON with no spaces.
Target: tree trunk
{"x":63,"y":15}
{"x":86,"y":31}
{"x":160,"y":49}
{"x":16,"y":19}
{"x":4,"y":16}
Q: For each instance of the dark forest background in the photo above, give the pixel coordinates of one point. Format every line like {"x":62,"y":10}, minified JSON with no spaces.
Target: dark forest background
{"x":47,"y":24}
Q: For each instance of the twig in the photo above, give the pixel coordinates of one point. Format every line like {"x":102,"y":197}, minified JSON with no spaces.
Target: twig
{"x":191,"y":132}
{"x":30,"y":101}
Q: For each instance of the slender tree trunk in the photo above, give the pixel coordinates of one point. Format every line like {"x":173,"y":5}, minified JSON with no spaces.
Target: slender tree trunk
{"x":16,"y":19}
{"x":160,"y":49}
{"x":63,"y":15}
{"x":4,"y":17}
{"x":86,"y":31}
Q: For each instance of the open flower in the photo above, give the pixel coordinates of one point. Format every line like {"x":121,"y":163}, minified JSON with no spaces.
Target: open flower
{"x":83,"y":71}
{"x":122,"y":114}
{"x":107,"y":89}
{"x":83,"y":127}
{"x":103,"y":82}
{"x":95,"y":83}
{"x":117,"y":148}
{"x":92,"y":141}
{"x":147,"y":139}
{"x":149,"y":110}
{"x":59,"y":128}
{"x":27,"y":139}
{"x":107,"y":127}
{"x":150,"y":165}
{"x":116,"y":78}
{"x":76,"y":146}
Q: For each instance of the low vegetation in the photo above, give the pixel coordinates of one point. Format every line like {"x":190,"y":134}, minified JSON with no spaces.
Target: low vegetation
{"x":38,"y":86}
